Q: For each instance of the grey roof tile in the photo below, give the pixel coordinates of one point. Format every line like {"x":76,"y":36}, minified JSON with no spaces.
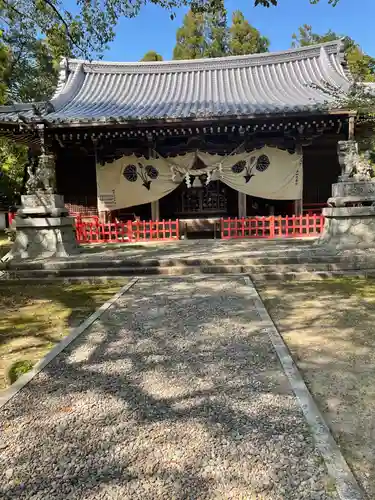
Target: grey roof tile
{"x":271,"y":83}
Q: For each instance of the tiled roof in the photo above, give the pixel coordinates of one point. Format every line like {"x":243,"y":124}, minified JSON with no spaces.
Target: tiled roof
{"x":259,"y":84}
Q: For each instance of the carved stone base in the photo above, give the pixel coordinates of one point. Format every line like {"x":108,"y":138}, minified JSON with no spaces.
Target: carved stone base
{"x":42,"y":204}
{"x":348,"y":228}
{"x":44,"y":237}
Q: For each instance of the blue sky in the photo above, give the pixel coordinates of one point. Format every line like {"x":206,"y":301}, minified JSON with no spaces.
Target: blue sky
{"x":153,"y":29}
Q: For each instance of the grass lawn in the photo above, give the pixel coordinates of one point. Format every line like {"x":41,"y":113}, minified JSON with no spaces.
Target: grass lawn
{"x":329,"y":327}
{"x":34,"y":317}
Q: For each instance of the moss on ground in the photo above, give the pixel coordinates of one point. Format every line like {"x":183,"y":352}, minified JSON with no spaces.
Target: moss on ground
{"x":34,"y":317}
{"x":5,"y":244}
{"x":19,"y":368}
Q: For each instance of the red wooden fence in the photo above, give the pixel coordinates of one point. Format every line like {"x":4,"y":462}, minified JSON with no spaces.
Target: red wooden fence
{"x":89,"y":229}
{"x":126,"y":232}
{"x":272,"y":227}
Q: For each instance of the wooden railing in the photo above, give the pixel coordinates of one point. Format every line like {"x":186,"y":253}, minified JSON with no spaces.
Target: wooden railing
{"x":296,"y":226}
{"x":89,"y":229}
{"x":126,"y":232}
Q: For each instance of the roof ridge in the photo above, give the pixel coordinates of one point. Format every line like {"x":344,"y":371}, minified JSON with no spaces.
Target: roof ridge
{"x":333,"y":47}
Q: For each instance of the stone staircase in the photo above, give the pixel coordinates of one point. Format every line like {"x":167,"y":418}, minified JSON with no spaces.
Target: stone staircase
{"x":306,"y":264}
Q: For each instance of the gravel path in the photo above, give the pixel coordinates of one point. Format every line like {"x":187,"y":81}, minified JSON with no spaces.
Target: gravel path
{"x":175,"y":393}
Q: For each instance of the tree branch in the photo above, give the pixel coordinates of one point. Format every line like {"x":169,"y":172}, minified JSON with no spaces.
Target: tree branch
{"x":64,"y":23}
{"x":23,"y":15}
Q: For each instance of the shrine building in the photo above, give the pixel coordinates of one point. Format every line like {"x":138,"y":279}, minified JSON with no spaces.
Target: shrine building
{"x":191,"y":140}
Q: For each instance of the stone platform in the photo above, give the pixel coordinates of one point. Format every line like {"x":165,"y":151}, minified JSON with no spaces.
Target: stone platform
{"x":262,"y":260}
{"x":350,"y":215}
{"x":43,"y":228}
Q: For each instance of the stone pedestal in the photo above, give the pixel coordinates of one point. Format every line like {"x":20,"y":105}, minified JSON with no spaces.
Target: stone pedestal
{"x":43,"y":228}
{"x":350,"y":215}
{"x":349,"y":227}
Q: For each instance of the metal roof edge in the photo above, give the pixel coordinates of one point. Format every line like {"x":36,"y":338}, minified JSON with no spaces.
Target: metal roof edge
{"x":62,"y":78}
{"x":191,"y":121}
{"x":266,"y":58}
{"x":195,"y":120}
{"x":68,"y":88}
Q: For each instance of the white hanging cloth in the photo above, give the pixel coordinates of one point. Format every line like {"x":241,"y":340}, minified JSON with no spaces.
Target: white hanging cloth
{"x":128,"y":182}
{"x":265,"y":173}
{"x":268,"y":173}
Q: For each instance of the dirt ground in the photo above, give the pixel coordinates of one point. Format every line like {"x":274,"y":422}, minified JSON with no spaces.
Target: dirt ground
{"x":35,"y":317}
{"x":329,"y":328}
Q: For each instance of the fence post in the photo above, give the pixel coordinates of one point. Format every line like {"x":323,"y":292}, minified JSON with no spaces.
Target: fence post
{"x":177,"y":229}
{"x":129,"y":230}
{"x":272,"y":226}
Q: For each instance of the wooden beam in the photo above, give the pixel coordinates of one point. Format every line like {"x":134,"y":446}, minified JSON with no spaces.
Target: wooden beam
{"x":351,"y":128}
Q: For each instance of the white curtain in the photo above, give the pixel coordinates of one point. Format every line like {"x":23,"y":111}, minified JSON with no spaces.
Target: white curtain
{"x":116,"y":191}
{"x":265,"y":173}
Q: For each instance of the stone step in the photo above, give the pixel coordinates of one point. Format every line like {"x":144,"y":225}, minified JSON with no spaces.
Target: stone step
{"x":259,"y":271}
{"x":264,"y":260}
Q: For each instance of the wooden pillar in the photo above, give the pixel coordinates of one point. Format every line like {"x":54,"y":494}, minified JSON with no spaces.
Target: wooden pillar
{"x":298,"y":204}
{"x":155,"y":209}
{"x":298,"y":207}
{"x":155,"y":214}
{"x":241,"y":204}
{"x":351,"y":128}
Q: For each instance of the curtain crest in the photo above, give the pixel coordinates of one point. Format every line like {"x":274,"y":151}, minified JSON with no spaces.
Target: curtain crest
{"x":268,"y":173}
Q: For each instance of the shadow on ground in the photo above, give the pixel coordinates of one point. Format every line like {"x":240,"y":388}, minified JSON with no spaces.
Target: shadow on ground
{"x":175,"y":393}
{"x":329,"y":327}
{"x":18,"y":300}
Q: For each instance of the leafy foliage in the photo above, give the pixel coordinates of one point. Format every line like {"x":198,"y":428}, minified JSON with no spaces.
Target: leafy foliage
{"x":151,"y":55}
{"x":28,"y":72}
{"x":91,"y":27}
{"x":4,"y":68}
{"x":216,"y":33}
{"x":274,"y":3}
{"x":244,"y":38}
{"x":207,"y":35}
{"x":13,"y":159}
{"x":18,"y":369}
{"x":190,"y":37}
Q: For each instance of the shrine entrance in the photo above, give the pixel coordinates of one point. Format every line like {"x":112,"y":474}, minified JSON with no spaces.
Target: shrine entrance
{"x":200,"y":207}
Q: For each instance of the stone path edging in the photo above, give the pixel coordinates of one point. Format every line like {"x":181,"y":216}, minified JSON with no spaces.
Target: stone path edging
{"x":346,"y":484}
{"x":9,"y":393}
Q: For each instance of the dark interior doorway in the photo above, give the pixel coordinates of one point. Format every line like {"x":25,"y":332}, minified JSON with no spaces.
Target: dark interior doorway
{"x":200,"y":201}
{"x":262,"y":208}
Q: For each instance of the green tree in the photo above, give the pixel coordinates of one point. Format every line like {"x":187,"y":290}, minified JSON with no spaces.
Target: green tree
{"x":151,"y":55}
{"x":216,"y":33}
{"x":91,"y":27}
{"x":13,"y":160}
{"x":361,"y":66}
{"x":32,"y":71}
{"x":244,"y":38}
{"x":274,"y":3}
{"x":207,"y":35}
{"x":4,"y":69}
{"x":28,"y":71}
{"x":12,"y":156}
{"x":190,"y":37}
